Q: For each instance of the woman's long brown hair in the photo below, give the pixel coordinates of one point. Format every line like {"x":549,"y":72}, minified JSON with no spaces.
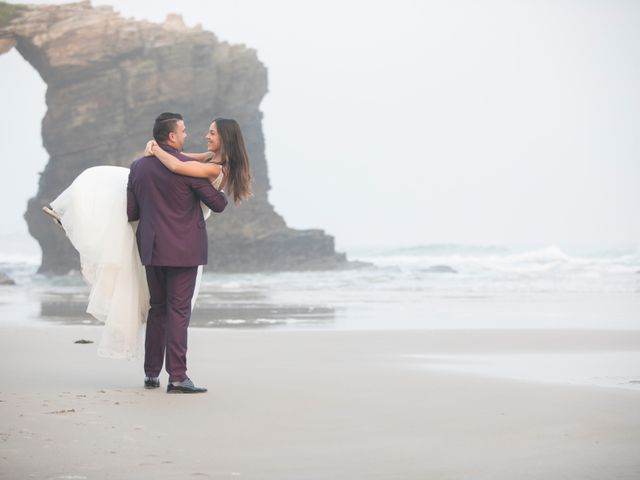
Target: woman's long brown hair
{"x":234,"y":154}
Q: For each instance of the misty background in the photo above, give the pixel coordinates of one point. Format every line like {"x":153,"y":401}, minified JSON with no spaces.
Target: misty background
{"x":409,"y":122}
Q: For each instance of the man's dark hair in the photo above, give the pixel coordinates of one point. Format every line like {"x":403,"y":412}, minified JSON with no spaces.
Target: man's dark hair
{"x":164,"y":125}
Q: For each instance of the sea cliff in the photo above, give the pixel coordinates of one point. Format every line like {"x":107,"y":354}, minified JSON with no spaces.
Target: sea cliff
{"x":107,"y":78}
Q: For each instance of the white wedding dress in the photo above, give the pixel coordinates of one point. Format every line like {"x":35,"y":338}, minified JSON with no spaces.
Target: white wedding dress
{"x":93,"y":213}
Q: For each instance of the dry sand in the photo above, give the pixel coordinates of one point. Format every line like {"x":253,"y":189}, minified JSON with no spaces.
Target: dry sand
{"x":303,"y":405}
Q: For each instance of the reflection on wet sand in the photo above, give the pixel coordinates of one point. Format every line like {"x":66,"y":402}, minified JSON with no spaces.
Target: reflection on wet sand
{"x":261,"y":315}
{"x":214,"y":310}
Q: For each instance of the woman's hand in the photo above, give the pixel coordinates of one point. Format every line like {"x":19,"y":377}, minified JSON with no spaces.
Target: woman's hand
{"x":148,"y":151}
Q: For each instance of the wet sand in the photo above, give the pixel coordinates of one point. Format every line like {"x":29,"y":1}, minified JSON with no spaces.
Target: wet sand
{"x":311,"y":405}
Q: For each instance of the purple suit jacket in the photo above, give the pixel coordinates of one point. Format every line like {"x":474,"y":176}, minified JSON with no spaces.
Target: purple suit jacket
{"x":171,"y":232}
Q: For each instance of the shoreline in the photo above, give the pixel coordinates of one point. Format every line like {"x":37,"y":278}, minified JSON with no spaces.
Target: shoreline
{"x":301,"y":404}
{"x":280,"y":310}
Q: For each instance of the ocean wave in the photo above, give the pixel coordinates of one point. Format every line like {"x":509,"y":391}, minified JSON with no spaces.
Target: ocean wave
{"x":474,"y":259}
{"x":472,"y":269}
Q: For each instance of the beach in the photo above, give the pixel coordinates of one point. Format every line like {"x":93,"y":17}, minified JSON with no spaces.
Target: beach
{"x":333,"y":404}
{"x":426,"y":268}
{"x":523,"y":365}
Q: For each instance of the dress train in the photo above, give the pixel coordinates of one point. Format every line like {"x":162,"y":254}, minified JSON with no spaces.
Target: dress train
{"x":93,"y":213}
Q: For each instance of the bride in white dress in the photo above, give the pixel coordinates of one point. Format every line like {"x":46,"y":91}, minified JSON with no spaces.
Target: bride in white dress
{"x":92,"y":211}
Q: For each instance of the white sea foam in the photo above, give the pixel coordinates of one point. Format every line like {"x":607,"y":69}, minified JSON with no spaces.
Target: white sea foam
{"x":495,"y":269}
{"x":474,"y":259}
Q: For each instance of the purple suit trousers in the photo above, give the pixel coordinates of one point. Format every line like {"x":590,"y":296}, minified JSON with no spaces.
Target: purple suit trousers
{"x":171,"y":290}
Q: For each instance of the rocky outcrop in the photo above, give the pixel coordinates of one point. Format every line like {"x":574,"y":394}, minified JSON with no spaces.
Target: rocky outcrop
{"x":440,"y":269}
{"x":107,"y":78}
{"x":6,"y":279}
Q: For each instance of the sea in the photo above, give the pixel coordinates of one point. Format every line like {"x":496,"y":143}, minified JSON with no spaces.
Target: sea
{"x":422,"y":287}
{"x":443,"y":286}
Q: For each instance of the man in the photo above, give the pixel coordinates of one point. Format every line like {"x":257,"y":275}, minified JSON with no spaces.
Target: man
{"x":172,"y":241}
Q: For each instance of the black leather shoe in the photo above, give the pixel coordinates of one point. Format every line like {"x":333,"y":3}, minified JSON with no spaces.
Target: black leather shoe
{"x":185,"y":386}
{"x":151,"y":382}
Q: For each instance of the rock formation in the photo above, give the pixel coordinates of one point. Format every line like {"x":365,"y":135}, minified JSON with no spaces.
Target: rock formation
{"x":440,"y":269}
{"x":6,"y":279}
{"x":107,"y":78}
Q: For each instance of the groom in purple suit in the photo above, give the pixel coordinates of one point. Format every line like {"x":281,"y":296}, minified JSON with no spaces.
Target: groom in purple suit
{"x":172,"y":241}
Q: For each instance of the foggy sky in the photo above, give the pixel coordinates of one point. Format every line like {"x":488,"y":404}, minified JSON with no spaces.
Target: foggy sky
{"x":410,"y":122}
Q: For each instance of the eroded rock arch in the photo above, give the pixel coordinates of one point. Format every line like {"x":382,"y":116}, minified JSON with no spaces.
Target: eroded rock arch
{"x":107,"y":78}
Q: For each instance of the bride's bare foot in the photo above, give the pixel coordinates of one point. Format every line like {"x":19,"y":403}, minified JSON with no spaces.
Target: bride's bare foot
{"x":53,"y":214}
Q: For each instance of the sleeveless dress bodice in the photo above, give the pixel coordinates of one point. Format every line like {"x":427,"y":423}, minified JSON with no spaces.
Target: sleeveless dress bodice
{"x":218,"y":181}
{"x":206,"y":212}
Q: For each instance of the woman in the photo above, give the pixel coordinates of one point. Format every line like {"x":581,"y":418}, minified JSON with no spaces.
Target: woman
{"x":226,"y":164}
{"x":92,"y":211}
